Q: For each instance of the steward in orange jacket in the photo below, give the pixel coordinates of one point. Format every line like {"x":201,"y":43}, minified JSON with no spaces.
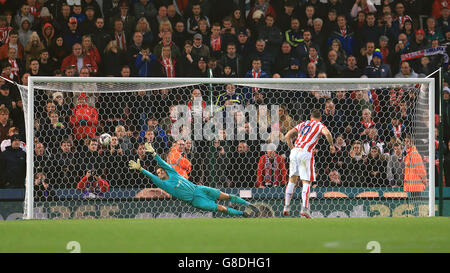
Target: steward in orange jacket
{"x":415,"y":172}
{"x":178,"y":160}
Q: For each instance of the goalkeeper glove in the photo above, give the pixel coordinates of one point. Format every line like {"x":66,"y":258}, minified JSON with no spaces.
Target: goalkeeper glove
{"x":149,"y":149}
{"x":135,"y":165}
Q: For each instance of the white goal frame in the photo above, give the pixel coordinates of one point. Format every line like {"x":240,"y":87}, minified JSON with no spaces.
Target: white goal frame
{"x":32,"y":80}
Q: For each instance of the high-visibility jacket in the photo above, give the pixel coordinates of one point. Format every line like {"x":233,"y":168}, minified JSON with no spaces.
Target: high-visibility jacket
{"x":179,"y":162}
{"x":415,"y":172}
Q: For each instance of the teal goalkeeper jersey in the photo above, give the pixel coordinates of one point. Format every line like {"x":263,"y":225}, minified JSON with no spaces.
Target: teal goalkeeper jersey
{"x":176,"y":185}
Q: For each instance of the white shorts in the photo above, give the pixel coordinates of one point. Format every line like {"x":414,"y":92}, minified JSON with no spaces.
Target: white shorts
{"x":301,"y":163}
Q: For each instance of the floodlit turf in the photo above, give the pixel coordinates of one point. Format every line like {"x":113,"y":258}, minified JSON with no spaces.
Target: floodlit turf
{"x":235,"y":235}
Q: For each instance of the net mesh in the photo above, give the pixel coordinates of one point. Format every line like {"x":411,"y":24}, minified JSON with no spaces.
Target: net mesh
{"x":218,"y":135}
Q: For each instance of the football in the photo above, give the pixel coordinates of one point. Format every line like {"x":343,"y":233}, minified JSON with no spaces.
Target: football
{"x":105,"y":139}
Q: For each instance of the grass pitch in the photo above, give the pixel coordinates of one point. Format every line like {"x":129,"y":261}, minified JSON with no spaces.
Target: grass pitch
{"x":228,"y":235}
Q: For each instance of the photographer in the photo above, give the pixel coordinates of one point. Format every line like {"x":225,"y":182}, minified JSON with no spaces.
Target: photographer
{"x":43,"y":191}
{"x":92,"y":185}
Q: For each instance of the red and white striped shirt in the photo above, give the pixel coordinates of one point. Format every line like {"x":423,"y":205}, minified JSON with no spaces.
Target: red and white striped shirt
{"x":309,"y":133}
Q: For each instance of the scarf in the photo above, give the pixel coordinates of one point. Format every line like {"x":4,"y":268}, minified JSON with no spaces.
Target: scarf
{"x":216,"y":44}
{"x":367,"y":125}
{"x":270,"y":167}
{"x":121,"y":41}
{"x":169,"y":67}
{"x":397,"y":130}
{"x":313,"y":60}
{"x":14,"y":69}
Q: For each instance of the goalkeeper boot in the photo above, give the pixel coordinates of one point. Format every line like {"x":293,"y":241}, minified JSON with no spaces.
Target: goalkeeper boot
{"x":286,"y":211}
{"x":305,"y":213}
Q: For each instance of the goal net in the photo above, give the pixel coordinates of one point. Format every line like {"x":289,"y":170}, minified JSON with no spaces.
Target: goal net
{"x":227,"y":134}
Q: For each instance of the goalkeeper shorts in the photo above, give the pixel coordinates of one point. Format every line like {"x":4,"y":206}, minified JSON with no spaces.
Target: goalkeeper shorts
{"x":301,"y":163}
{"x":205,"y":198}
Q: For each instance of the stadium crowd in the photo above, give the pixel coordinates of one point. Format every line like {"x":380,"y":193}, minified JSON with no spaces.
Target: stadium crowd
{"x":231,"y":38}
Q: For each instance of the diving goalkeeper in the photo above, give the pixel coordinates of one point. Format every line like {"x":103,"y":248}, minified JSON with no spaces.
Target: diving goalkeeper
{"x":200,"y":197}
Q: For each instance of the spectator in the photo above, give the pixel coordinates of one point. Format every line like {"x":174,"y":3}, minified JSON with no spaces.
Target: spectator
{"x":23,"y":13}
{"x":143,"y":26}
{"x":320,"y":35}
{"x":114,"y":60}
{"x":134,"y":47}
{"x":307,"y":16}
{"x":395,"y":166}
{"x":243,"y":46}
{"x":266,"y":57}
{"x":333,"y":68}
{"x":13,"y":165}
{"x":192,"y":20}
{"x":271,"y":170}
{"x":128,"y":20}
{"x":344,"y":34}
{"x":145,"y":60}
{"x":16,"y":66}
{"x":46,"y":65}
{"x":13,"y":42}
{"x":366,"y":54}
{"x":232,"y":59}
{"x":237,"y":19}
{"x":443,"y":21}
{"x":179,"y":35}
{"x":43,"y":191}
{"x":406,"y":71}
{"x":62,"y":164}
{"x":351,"y":70}
{"x":92,"y":185}
{"x":6,"y":99}
{"x":376,"y":168}
{"x":331,"y":117}
{"x":5,"y":30}
{"x":198,"y":48}
{"x":58,"y":51}
{"x":89,"y":49}
{"x":313,"y":57}
{"x":166,"y":40}
{"x":78,"y":59}
{"x":35,"y":69}
{"x":334,"y":179}
{"x":166,"y":65}
{"x":7,"y":141}
{"x":119,"y":34}
{"x":438,"y":6}
{"x":144,"y":8}
{"x":283,"y":60}
{"x":433,"y":32}
{"x":355,"y":175}
{"x":72,"y":35}
{"x":87,"y":27}
{"x":271,"y":34}
{"x":215,"y":42}
{"x":100,"y":37}
{"x":84,"y":119}
{"x":372,"y":140}
{"x":186,"y":62}
{"x":302,"y":50}
{"x":362,"y":5}
{"x":377,"y":69}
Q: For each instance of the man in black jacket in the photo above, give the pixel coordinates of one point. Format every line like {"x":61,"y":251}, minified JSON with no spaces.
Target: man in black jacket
{"x":13,"y":165}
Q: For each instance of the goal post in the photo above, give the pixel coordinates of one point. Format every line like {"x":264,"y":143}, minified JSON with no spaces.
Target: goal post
{"x":250,"y":99}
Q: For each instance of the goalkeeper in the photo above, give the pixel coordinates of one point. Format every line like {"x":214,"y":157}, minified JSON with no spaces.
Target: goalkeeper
{"x":200,"y":197}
